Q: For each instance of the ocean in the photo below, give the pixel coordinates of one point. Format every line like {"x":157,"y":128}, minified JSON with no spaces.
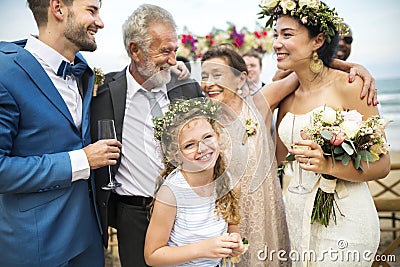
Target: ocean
{"x":389,"y":99}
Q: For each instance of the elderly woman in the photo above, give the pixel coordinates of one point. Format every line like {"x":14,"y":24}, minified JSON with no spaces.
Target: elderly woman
{"x":224,"y":78}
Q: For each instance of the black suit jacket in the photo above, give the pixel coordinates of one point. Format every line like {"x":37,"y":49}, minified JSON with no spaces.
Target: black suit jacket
{"x":110,"y":104}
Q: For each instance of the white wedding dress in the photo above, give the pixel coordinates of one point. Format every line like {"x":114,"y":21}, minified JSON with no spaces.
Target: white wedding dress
{"x":353,"y":240}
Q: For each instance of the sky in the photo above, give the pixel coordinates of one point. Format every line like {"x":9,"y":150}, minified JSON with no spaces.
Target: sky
{"x":375,"y":26}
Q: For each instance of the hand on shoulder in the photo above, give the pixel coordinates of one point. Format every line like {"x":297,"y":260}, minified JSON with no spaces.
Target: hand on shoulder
{"x":349,"y":94}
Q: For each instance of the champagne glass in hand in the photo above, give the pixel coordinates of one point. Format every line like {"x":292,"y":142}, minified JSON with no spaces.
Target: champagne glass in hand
{"x":106,"y":130}
{"x":299,"y":188}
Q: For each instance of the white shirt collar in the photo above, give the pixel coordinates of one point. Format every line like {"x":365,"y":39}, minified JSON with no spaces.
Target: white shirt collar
{"x":41,"y":50}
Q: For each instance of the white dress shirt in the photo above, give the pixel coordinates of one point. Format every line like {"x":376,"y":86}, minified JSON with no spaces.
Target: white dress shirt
{"x":50,"y":60}
{"x":141,"y":161}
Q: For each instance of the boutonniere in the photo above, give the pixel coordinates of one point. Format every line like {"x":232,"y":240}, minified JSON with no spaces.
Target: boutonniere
{"x":250,"y":129}
{"x":98,"y":79}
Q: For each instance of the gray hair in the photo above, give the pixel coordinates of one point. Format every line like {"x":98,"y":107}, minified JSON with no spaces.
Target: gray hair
{"x":136,"y":27}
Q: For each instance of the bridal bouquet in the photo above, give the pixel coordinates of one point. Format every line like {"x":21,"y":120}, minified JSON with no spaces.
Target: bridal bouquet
{"x":345,"y":137}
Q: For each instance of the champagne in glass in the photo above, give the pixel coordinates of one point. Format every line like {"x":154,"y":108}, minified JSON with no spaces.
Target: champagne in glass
{"x":299,"y":188}
{"x":106,"y":130}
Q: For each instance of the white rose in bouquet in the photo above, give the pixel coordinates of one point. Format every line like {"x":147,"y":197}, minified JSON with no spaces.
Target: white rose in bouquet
{"x":328,"y":115}
{"x":269,"y":3}
{"x":350,"y":128}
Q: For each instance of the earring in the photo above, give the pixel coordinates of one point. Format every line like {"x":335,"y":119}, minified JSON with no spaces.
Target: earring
{"x":239,"y":91}
{"x":316,"y":63}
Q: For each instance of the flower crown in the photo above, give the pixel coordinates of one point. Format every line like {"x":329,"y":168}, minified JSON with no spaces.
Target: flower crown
{"x":180,"y":111}
{"x":310,"y":13}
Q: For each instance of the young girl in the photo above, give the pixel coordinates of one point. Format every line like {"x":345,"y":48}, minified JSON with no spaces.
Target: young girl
{"x":194,"y":220}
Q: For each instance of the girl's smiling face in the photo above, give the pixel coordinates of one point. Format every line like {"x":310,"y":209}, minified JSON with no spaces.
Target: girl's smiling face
{"x":198,"y":145}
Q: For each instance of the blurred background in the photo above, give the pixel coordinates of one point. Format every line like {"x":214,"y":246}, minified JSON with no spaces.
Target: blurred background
{"x":374,"y":25}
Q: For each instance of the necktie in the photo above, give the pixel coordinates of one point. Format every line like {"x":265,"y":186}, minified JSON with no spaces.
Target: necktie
{"x":154,"y":105}
{"x":66,"y":69}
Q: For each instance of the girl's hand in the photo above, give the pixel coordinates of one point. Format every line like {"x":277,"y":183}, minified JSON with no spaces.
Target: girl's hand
{"x":218,"y":247}
{"x":240,"y":246}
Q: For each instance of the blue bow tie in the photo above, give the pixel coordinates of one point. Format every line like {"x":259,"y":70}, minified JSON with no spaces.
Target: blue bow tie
{"x":66,"y":69}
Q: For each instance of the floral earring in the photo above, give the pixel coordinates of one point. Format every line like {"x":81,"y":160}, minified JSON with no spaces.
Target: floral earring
{"x":316,"y":63}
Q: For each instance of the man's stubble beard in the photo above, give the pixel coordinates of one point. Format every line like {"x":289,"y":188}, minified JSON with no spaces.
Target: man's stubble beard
{"x":78,"y":35}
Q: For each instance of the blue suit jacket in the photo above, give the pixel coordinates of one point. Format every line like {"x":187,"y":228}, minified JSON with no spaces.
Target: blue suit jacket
{"x":44,"y":218}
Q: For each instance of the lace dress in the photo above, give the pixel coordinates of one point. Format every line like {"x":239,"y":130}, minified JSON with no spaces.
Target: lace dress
{"x":261,"y":204}
{"x":354,"y":237}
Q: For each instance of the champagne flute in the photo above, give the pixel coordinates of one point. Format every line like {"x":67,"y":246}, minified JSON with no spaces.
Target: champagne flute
{"x":106,"y":130}
{"x":299,"y":188}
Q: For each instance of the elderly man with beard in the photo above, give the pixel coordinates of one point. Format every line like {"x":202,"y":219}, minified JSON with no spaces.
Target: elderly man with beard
{"x":151,"y":42}
{"x":47,"y":214}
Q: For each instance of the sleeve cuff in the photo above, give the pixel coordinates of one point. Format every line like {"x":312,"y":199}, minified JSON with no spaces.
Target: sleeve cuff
{"x":79,"y":164}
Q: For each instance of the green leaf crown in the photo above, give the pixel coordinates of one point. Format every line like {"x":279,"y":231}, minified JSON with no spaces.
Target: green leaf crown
{"x":181,"y":111}
{"x":310,"y":12}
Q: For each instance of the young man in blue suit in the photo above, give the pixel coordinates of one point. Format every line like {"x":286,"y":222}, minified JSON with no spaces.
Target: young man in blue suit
{"x":47,"y":214}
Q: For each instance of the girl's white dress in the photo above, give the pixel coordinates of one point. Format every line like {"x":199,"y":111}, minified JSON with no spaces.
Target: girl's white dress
{"x":196,"y":219}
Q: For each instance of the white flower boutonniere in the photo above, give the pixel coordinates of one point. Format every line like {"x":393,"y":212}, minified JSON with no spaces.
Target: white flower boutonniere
{"x":98,"y":79}
{"x":251,"y":129}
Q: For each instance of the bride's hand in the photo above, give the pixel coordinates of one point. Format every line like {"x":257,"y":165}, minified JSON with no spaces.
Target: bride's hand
{"x":311,"y":159}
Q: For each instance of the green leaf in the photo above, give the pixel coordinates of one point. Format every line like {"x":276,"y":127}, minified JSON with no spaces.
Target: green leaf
{"x":357,"y":162}
{"x":340,"y":157}
{"x":346,"y":159}
{"x":362,"y":167}
{"x":290,"y":157}
{"x":366,"y":155}
{"x":352,"y":144}
{"x":349,"y":150}
{"x":326,"y":134}
{"x":327,"y":176}
{"x":338,"y":150}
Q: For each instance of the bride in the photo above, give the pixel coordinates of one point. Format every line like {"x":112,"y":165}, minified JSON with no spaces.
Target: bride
{"x":306,"y":39}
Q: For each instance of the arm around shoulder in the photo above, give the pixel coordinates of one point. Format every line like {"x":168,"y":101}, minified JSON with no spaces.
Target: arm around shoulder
{"x":276,"y":91}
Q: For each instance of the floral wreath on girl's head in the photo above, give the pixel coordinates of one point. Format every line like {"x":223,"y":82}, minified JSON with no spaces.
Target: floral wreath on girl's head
{"x":310,"y":12}
{"x":179,"y":111}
